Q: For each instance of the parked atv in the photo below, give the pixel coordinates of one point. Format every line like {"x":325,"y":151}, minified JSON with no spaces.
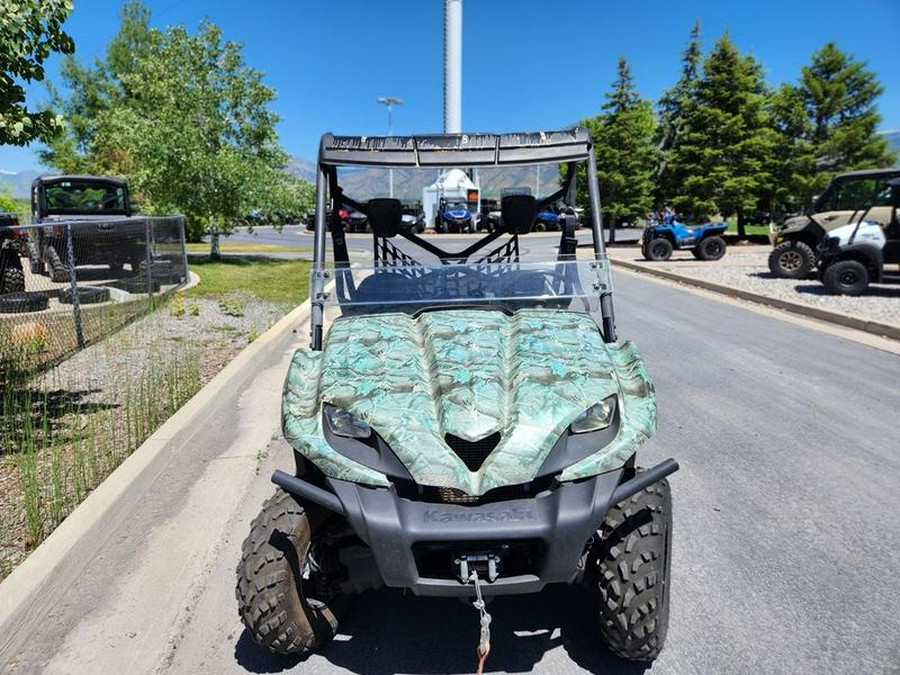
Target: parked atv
{"x":453,"y":216}
{"x":853,"y":256}
{"x":704,"y":241}
{"x":847,"y":199}
{"x":464,"y":422}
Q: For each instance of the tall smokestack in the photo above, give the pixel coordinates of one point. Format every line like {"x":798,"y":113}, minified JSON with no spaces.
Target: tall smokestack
{"x":452,"y":66}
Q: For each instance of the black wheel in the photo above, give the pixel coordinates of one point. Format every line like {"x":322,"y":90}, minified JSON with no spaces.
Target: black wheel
{"x":711,"y":248}
{"x":658,"y":249}
{"x":632,"y":563}
{"x":137,"y":284}
{"x":15,"y":303}
{"x":12,"y":277}
{"x":34,"y":257}
{"x":846,"y":277}
{"x":135,"y":262}
{"x":87,"y":295}
{"x":279,"y":593}
{"x":59,"y":271}
{"x":540,"y":227}
{"x":791,"y":260}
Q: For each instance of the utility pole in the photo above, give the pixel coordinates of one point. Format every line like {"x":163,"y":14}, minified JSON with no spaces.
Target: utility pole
{"x":390,"y":102}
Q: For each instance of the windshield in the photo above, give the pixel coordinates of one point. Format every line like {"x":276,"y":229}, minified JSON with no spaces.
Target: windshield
{"x":85,"y":197}
{"x":850,"y":194}
{"x":509,"y":286}
{"x":457,"y":206}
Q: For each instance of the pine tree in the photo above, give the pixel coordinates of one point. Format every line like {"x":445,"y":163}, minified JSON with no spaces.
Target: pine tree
{"x":829,"y":120}
{"x":626,"y":157}
{"x":726,"y":147}
{"x":622,"y":135}
{"x":670,"y":111}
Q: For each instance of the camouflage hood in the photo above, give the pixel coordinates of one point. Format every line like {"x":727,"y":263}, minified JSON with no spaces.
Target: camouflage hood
{"x":469,"y":373}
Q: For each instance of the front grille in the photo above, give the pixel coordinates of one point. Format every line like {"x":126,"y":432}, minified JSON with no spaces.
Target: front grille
{"x":473,"y":453}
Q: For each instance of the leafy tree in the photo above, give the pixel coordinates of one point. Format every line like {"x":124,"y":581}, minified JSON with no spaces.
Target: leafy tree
{"x":829,"y":121}
{"x":671,"y":114}
{"x":91,"y":92}
{"x":30,"y":30}
{"x":727,"y":144}
{"x":622,"y":136}
{"x":185,"y":119}
{"x":200,"y":135}
{"x":8,"y":203}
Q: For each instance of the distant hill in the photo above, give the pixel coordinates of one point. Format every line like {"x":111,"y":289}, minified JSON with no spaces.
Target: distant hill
{"x":18,"y":183}
{"x":302,"y":169}
{"x":363,"y":184}
{"x":893,"y":139}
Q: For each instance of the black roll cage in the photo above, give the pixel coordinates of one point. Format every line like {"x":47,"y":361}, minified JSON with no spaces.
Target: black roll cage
{"x":569,"y":146}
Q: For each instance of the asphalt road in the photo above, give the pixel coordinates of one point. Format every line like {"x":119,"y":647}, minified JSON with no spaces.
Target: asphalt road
{"x":785,"y":551}
{"x":786,"y":527}
{"x":296,"y":235}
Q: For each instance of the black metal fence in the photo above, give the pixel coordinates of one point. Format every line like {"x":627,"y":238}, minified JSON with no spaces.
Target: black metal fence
{"x":66,"y":284}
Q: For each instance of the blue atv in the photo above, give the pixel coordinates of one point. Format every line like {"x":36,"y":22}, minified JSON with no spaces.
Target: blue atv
{"x":453,"y":216}
{"x":704,"y":241}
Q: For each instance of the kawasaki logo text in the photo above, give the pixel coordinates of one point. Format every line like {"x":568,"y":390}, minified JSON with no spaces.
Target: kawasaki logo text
{"x":479,"y":516}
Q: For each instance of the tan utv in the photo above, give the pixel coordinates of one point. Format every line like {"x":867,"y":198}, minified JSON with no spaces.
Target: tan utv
{"x":850,"y":197}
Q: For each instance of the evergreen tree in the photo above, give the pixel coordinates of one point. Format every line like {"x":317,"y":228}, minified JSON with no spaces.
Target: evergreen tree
{"x":622,"y":136}
{"x":727,"y":143}
{"x":625,"y":153}
{"x":829,"y":119}
{"x":671,"y":111}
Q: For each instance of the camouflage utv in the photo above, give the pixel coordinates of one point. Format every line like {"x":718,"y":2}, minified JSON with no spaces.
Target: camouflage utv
{"x":465,"y":422}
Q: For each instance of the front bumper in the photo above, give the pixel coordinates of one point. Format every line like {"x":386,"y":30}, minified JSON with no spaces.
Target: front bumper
{"x":414,"y":543}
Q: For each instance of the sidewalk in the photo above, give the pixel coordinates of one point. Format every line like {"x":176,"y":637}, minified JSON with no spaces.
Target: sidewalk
{"x":743,"y":273}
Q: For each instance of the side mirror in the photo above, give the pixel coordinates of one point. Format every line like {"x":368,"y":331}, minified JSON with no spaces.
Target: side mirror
{"x":518,"y":213}
{"x":385,"y":216}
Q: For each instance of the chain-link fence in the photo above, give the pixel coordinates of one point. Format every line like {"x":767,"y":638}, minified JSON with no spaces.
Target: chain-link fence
{"x":66,"y":284}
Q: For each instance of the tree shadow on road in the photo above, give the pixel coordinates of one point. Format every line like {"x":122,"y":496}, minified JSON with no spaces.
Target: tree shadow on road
{"x":391,"y":632}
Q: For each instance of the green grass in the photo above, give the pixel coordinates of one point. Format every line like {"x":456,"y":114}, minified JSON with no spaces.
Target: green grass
{"x":247,"y":247}
{"x":280,"y":281}
{"x":749,"y":229}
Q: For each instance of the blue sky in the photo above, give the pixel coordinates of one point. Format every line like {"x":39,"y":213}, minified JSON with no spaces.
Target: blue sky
{"x":527,"y":64}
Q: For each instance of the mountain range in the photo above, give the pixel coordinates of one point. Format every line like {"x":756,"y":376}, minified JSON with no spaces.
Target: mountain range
{"x":363,"y":184}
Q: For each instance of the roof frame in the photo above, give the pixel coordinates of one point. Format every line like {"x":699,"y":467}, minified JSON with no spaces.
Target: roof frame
{"x":462,"y":150}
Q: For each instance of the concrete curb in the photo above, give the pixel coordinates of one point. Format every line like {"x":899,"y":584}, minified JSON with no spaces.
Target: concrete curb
{"x":32,"y":574}
{"x":872,"y":327}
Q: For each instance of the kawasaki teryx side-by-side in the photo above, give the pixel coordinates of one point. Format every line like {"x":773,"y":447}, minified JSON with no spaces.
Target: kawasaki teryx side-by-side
{"x":464,"y":422}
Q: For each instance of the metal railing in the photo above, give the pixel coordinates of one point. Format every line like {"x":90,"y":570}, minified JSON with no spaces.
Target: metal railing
{"x":66,"y":284}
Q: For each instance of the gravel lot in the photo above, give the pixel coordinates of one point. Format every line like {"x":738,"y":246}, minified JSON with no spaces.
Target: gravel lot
{"x":745,"y":267}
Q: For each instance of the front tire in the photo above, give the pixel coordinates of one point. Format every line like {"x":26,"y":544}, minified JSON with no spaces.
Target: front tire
{"x":632,"y":563}
{"x":711,"y":248}
{"x":278,"y":612}
{"x":846,"y":277}
{"x":791,"y":260}
{"x":59,"y":272}
{"x":658,"y":249}
{"x":12,"y":277}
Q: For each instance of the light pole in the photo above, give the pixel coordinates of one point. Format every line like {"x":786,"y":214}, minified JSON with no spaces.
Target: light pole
{"x":390,"y":102}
